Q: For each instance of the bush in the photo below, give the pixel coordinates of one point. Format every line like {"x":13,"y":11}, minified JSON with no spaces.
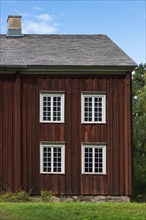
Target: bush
{"x":140,"y":198}
{"x":20,"y":196}
{"x":46,"y":195}
{"x":140,"y":177}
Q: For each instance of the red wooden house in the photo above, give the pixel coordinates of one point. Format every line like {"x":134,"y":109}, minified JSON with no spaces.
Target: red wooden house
{"x":65,"y":114}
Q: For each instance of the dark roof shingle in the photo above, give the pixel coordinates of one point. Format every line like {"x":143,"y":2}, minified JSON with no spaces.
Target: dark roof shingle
{"x":76,"y":50}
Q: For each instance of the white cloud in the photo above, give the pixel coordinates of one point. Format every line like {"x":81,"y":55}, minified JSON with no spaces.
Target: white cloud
{"x":37,"y":7}
{"x":44,"y":17}
{"x":34,"y":27}
{"x":39,"y":24}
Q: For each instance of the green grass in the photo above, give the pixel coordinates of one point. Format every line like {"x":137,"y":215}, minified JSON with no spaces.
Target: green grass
{"x":72,"y":211}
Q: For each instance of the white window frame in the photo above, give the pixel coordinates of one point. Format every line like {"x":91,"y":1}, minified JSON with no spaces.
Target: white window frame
{"x":52,"y":145}
{"x":52,"y":94}
{"x":93,"y":95}
{"x":93,"y":146}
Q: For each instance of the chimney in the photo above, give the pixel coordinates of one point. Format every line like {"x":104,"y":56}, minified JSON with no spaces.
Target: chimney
{"x":14,"y":26}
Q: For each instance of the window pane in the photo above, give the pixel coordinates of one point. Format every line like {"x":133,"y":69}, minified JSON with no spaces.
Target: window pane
{"x":46,"y":159}
{"x":98,"y":109}
{"x":98,"y":160}
{"x":46,"y":108}
{"x":88,"y":109}
{"x":88,"y":160}
{"x":56,"y":108}
{"x":57,"y":159}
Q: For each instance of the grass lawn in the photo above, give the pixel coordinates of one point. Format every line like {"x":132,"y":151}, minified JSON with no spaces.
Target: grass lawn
{"x":72,"y":211}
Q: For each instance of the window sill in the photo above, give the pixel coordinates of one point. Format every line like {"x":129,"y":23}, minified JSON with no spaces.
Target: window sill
{"x":52,"y":173}
{"x":99,"y":174}
{"x":52,"y":122}
{"x":94,"y":123}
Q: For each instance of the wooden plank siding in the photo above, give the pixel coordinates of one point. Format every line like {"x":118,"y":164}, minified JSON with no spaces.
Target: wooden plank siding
{"x":21,"y":134}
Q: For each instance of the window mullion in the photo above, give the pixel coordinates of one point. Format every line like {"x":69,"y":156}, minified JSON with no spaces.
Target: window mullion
{"x":93,"y":160}
{"x":83,"y":159}
{"x":83,"y":109}
{"x":62,"y":159}
{"x":92,"y":109}
{"x":52,"y":167}
{"x":52,"y":108}
{"x":62,"y":108}
{"x":103,"y":109}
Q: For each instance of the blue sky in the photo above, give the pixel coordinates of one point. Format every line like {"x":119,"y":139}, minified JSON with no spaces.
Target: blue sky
{"x":124,"y":21}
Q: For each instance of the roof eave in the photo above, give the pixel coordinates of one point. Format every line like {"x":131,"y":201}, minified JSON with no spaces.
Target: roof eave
{"x":38,"y":69}
{"x":13,"y":66}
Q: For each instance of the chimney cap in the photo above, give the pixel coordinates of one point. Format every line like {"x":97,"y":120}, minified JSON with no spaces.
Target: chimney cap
{"x":14,"y":16}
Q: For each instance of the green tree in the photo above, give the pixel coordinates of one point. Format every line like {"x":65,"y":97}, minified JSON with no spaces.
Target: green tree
{"x":139,"y":129}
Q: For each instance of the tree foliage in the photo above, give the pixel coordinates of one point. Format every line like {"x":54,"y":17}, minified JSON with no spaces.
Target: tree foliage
{"x":139,"y":128}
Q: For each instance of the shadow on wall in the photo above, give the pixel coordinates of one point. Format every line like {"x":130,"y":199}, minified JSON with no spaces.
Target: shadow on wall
{"x":4,"y":186}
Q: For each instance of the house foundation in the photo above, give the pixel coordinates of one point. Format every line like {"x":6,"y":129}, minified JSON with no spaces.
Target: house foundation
{"x":93,"y":199}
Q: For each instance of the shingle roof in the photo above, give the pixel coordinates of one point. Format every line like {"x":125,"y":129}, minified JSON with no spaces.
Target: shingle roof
{"x":76,"y":50}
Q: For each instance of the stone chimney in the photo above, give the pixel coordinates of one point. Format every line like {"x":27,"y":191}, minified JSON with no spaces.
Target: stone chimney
{"x":14,"y":26}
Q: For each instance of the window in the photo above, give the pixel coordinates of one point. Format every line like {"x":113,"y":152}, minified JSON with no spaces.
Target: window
{"x":51,"y":107}
{"x":52,"y":158}
{"x":93,"y":159}
{"x":93,"y":108}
